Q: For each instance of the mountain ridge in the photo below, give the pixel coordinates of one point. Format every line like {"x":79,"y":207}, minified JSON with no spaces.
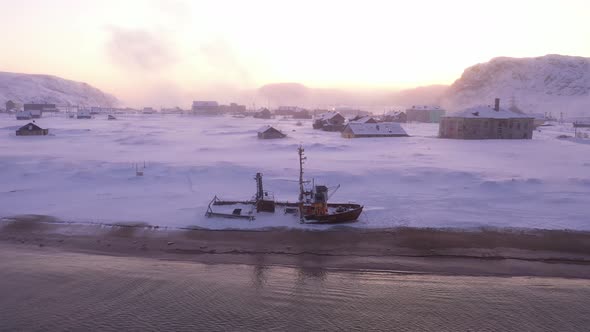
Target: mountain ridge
{"x":26,"y":88}
{"x":551,"y":82}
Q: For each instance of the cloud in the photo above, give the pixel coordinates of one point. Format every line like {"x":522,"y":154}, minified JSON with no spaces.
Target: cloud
{"x":139,"y":49}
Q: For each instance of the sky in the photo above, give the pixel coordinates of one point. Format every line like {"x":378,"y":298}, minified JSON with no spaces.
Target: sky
{"x":154,"y":50}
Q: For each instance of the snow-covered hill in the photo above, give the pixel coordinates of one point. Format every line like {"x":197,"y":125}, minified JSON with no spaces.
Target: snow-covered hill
{"x":25,"y":88}
{"x":551,"y":83}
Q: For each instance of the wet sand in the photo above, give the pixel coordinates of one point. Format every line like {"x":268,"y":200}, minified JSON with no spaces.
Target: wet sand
{"x":48,"y":289}
{"x":483,"y":252}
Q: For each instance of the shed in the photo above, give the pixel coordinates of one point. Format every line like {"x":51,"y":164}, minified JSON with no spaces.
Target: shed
{"x":383,"y":129}
{"x":31,"y":129}
{"x":269,"y":132}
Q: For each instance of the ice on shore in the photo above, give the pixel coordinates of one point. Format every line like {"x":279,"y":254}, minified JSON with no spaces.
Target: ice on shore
{"x":84,"y":172}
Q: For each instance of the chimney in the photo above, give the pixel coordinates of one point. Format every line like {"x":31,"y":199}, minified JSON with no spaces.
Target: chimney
{"x":497,"y":105}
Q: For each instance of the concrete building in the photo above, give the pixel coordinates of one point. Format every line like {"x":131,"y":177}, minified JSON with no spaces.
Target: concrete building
{"x":269,"y":132}
{"x":37,"y":109}
{"x":382,"y":129}
{"x":31,"y":129}
{"x":486,"y":122}
{"x":205,"y":108}
{"x":428,"y":114}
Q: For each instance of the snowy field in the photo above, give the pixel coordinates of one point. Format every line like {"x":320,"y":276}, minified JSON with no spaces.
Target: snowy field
{"x":83,"y":172}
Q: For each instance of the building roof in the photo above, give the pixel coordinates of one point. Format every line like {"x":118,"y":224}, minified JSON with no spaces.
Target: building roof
{"x":30,"y":126}
{"x":425,"y":107}
{"x":488,"y":112}
{"x":289,"y":108}
{"x":264,"y":129}
{"x":364,"y":119}
{"x":394,"y":113}
{"x":204,"y":103}
{"x":328,"y":115}
{"x":383,"y":128}
{"x":39,"y":107}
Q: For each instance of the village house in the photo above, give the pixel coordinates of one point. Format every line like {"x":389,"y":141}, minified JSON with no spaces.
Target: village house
{"x":11,"y":106}
{"x":363,"y":119}
{"x":329,"y":121}
{"x":98,"y":110}
{"x":31,"y":129}
{"x":22,"y":115}
{"x":485,"y":122}
{"x":263,"y":114}
{"x":349,"y":111}
{"x":232,"y":108}
{"x":83,"y":114}
{"x":302,"y":114}
{"x":205,"y":108}
{"x":269,"y":132}
{"x":286,"y":110}
{"x":428,"y":114}
{"x":382,"y":129}
{"x":395,"y":116}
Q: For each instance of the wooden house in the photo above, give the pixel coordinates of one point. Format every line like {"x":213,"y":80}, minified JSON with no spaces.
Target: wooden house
{"x":269,"y":132}
{"x":486,"y":122}
{"x":363,"y":119}
{"x":10,"y":106}
{"x":395,"y":116}
{"x":329,"y":121}
{"x":263,"y":114}
{"x":382,"y":129}
{"x":31,"y":129}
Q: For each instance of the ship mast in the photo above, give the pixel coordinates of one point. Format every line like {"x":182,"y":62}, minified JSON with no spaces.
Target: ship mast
{"x":301,"y":187}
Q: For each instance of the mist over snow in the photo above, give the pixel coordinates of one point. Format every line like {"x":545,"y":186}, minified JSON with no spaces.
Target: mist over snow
{"x":83,"y":172}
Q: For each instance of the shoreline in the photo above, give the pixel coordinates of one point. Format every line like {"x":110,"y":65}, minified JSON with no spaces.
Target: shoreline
{"x":481,"y":252}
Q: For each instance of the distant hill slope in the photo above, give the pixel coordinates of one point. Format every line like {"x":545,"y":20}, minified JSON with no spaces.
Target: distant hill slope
{"x":551,"y":83}
{"x":25,"y":88}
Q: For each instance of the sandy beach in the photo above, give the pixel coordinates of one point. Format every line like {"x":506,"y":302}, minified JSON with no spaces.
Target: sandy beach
{"x":482,"y":252}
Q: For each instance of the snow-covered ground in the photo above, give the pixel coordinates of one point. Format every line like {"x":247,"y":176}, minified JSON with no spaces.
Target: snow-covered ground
{"x":84,"y":172}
